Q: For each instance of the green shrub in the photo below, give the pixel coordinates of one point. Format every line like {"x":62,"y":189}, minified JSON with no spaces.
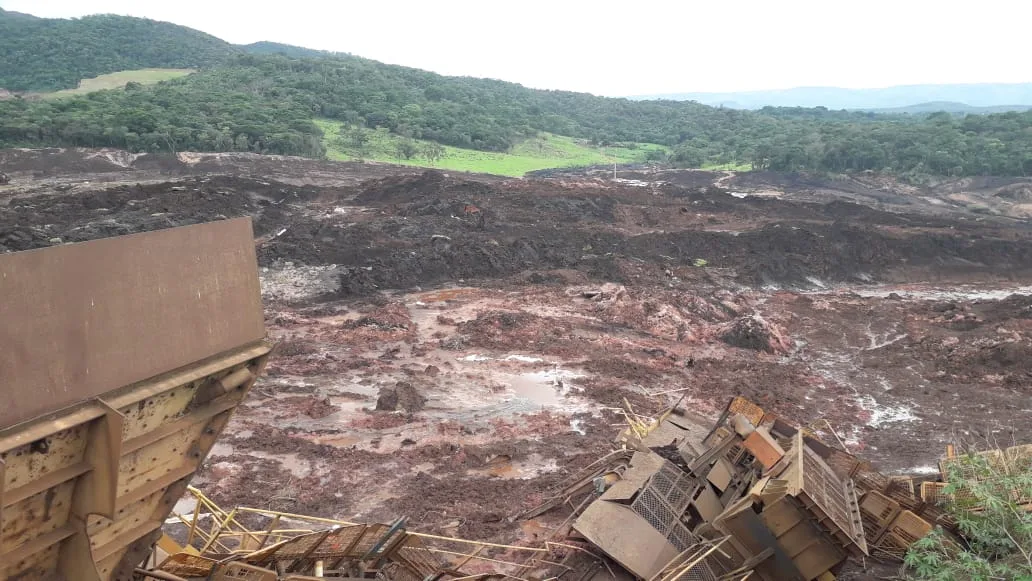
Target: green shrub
{"x":996,"y":529}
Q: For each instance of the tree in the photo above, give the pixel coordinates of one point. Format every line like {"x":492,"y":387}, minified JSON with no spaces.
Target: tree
{"x":433,"y":152}
{"x":358,"y":138}
{"x":996,"y":530}
{"x":406,"y":148}
{"x":688,"y":156}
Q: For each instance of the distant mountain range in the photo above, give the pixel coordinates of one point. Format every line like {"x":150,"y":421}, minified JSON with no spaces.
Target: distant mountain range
{"x":971,"y":98}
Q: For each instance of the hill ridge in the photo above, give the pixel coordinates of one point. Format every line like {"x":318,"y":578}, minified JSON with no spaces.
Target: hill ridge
{"x":49,"y":54}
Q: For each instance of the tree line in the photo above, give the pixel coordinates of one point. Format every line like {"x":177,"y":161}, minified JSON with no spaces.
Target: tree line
{"x":266,"y":103}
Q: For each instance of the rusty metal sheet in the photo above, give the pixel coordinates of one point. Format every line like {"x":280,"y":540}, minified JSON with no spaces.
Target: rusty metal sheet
{"x":643,"y":465}
{"x":633,"y":543}
{"x":81,"y":320}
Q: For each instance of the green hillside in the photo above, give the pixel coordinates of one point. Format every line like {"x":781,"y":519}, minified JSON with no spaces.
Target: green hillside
{"x":540,"y":152}
{"x":270,"y":103}
{"x":44,"y":54}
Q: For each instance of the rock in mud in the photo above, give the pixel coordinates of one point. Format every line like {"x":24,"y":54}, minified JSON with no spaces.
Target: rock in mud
{"x":319,"y":408}
{"x":401,"y":396}
{"x":756,"y":333}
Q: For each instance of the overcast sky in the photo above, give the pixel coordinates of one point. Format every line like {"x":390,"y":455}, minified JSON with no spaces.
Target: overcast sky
{"x":628,"y":47}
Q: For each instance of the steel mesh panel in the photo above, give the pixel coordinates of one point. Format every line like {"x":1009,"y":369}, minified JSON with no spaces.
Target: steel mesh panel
{"x":910,"y":527}
{"x":187,"y":565}
{"x":681,"y":537}
{"x":871,"y":481}
{"x":1008,"y":460}
{"x":661,"y":483}
{"x":903,"y":496}
{"x":673,"y":486}
{"x":878,"y":508}
{"x":933,"y":493}
{"x":904,"y":483}
{"x":751,"y":411}
{"x":297,"y":547}
{"x":418,"y":557}
{"x":700,"y":572}
{"x":649,"y":506}
{"x":372,"y":534}
{"x":842,"y":463}
{"x":828,"y":492}
{"x":663,"y":500}
{"x":339,"y":540}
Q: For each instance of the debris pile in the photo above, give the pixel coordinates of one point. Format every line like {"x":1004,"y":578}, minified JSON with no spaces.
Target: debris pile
{"x":756,"y":498}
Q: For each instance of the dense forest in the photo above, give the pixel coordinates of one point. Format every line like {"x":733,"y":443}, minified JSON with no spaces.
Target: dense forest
{"x":264,"y":98}
{"x":47,"y":54}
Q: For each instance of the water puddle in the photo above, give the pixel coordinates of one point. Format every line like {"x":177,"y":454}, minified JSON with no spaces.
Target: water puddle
{"x":340,"y":441}
{"x":507,"y":469}
{"x":534,"y":388}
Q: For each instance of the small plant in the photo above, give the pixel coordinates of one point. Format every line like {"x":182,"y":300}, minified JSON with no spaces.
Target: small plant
{"x":700,"y":262}
{"x":987,"y":494}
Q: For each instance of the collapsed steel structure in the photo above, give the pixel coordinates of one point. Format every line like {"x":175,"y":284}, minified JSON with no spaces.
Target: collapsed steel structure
{"x":757,"y":498}
{"x":772,"y":501}
{"x":215,"y":543}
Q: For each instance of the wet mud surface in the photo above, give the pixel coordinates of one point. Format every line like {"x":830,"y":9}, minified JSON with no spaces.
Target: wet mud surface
{"x":503,"y":326}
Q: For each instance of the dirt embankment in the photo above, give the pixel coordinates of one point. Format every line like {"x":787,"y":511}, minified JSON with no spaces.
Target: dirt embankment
{"x":430,"y":228}
{"x":403,"y":231}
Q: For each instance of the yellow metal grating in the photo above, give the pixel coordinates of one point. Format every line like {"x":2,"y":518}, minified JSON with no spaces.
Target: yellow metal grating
{"x":751,"y":411}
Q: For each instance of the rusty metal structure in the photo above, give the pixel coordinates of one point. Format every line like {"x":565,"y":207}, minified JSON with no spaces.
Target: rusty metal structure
{"x":121,"y":361}
{"x":773,"y":500}
{"x":766,"y":501}
{"x":215,"y":543}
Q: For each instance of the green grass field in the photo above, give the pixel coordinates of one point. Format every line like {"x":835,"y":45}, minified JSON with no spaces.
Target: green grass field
{"x":741,"y":166}
{"x":543,"y":152}
{"x":118,"y":80}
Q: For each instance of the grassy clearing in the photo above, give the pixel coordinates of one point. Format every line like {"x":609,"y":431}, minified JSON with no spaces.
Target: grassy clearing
{"x":543,"y":152}
{"x":727,"y":166}
{"x":119,"y":80}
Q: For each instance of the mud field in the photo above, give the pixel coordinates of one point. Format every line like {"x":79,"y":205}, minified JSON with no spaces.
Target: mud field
{"x":453,"y":346}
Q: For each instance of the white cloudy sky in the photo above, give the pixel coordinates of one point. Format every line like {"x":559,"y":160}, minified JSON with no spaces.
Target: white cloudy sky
{"x":628,"y":47}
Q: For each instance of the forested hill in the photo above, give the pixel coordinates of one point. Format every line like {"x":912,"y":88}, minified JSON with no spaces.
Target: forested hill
{"x":268,"y":103}
{"x":266,"y":47}
{"x":45,"y":54}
